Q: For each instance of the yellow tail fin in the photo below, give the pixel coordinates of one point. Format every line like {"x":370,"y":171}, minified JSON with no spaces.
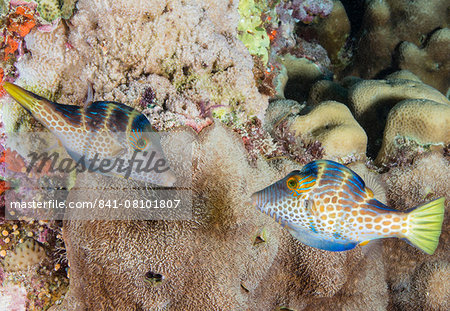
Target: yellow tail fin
{"x":426,"y":223}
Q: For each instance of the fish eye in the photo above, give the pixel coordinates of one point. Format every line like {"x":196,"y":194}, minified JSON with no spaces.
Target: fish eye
{"x":141,"y":143}
{"x":292,"y":183}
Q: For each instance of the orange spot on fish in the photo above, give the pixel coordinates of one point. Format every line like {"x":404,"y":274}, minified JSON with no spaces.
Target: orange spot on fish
{"x":330,"y":208}
{"x":386,"y":222}
{"x":377,"y":227}
{"x":327,"y":200}
{"x":359,"y":219}
{"x":322,"y":208}
{"x":369,"y":226}
{"x":385,"y":230}
{"x":395,"y":227}
{"x":323,"y":217}
{"x":354,"y":213}
{"x":378,"y":219}
{"x":404,"y":230}
{"x":334,"y":199}
{"x":366,"y":212}
{"x":330,"y":222}
{"x":332,"y":215}
{"x":367,"y":219}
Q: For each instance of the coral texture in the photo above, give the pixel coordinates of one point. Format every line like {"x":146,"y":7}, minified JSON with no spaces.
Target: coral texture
{"x":423,"y":121}
{"x":332,"y":124}
{"x":411,"y":275}
{"x":386,"y":23}
{"x":25,"y":254}
{"x":194,"y":62}
{"x":431,"y":62}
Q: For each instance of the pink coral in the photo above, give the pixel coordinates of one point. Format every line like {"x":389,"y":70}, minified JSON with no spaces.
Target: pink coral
{"x":305,"y":10}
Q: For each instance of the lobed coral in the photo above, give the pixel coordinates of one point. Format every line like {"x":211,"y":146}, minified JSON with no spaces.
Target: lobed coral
{"x":425,"y":122}
{"x":430,"y":61}
{"x":387,"y":23}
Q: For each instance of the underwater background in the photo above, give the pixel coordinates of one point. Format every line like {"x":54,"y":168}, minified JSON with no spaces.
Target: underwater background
{"x":257,"y":88}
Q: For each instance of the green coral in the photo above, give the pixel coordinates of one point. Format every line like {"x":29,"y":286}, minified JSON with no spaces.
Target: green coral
{"x":50,"y":10}
{"x":250,"y":28}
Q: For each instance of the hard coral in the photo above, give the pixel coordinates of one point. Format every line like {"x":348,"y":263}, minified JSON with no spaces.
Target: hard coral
{"x":332,"y":124}
{"x":423,"y":121}
{"x":430,"y":62}
{"x":371,"y":101}
{"x":387,"y":23}
{"x":332,"y":33}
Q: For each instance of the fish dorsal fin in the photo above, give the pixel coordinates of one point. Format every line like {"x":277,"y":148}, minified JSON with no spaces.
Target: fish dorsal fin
{"x":371,"y":180}
{"x":374,"y":184}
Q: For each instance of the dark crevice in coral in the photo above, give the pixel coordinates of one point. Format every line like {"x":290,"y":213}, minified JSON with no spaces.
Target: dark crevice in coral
{"x":355,"y":11}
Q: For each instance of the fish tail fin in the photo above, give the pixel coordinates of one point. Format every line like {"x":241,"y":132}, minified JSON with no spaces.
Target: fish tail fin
{"x":426,"y":224}
{"x":26,"y":99}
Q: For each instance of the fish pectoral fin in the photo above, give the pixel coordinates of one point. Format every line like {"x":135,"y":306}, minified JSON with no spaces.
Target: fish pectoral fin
{"x":306,"y":236}
{"x":311,"y":207}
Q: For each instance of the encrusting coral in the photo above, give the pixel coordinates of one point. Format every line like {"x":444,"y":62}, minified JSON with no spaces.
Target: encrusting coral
{"x":25,"y":254}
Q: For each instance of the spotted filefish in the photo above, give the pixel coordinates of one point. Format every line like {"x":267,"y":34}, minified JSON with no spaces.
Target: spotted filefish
{"x":101,"y":130}
{"x":328,"y":206}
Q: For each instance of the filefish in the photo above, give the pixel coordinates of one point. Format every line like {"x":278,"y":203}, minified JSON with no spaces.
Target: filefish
{"x":328,"y":206}
{"x":101,"y":130}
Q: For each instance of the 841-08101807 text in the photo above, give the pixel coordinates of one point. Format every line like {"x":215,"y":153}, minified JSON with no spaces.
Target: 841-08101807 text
{"x":138,"y":203}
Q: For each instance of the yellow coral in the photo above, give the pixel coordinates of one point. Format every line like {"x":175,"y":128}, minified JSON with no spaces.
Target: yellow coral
{"x":25,"y":255}
{"x":333,"y":125}
{"x":424,"y":121}
{"x":431,"y":63}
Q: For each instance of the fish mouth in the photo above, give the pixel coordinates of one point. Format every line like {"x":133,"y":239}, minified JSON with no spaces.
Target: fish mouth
{"x":22,"y":96}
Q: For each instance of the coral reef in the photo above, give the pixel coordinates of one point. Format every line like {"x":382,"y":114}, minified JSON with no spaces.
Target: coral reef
{"x":387,"y":23}
{"x":259,"y":88}
{"x":429,"y":62}
{"x":371,"y":101}
{"x":333,"y":32}
{"x":424,"y":122}
{"x":332,"y":124}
